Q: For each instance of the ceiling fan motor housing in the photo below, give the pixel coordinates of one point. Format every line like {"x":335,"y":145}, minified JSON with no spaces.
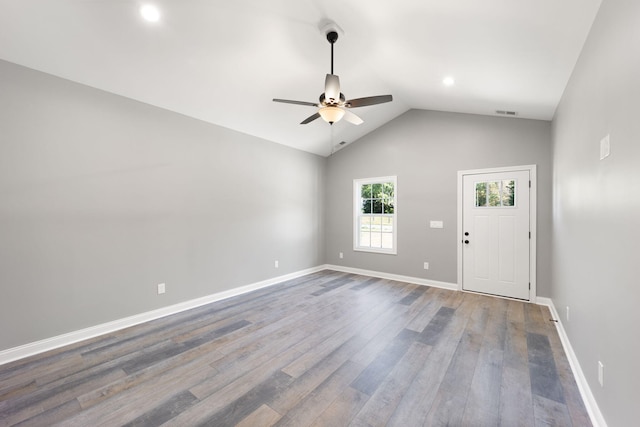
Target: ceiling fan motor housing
{"x":332,"y":101}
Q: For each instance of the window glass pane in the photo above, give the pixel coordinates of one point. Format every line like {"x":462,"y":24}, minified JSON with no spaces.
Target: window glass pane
{"x":366,"y":191}
{"x":365,"y":223}
{"x":494,"y":193}
{"x":387,"y":240}
{"x":377,"y":206}
{"x":376,"y":191}
{"x":367,"y":206}
{"x":387,"y":204}
{"x":365,"y":239}
{"x":364,"y":232}
{"x":481,"y":194}
{"x":508,"y":192}
{"x":388,"y":189}
{"x":376,"y":223}
{"x":376,"y":240}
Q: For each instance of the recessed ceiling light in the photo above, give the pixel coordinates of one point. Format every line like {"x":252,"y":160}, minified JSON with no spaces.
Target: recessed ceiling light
{"x":150,"y":13}
{"x":448,"y":81}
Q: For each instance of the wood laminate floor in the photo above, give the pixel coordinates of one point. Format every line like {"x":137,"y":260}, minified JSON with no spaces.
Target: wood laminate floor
{"x":328,"y":349}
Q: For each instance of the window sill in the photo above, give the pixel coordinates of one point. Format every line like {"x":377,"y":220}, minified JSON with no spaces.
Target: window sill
{"x":377,"y":251}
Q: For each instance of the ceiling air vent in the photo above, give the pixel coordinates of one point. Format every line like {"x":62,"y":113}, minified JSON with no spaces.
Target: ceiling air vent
{"x":506,"y":113}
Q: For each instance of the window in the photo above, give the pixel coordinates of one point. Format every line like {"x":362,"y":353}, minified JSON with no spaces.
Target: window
{"x":375,"y":221}
{"x":496,"y":193}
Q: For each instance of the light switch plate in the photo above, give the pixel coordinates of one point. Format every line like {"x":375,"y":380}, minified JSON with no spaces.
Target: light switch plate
{"x":436,"y":224}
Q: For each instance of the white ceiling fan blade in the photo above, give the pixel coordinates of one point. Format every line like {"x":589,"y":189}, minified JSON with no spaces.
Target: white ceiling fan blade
{"x":352,"y":118}
{"x":332,"y":89}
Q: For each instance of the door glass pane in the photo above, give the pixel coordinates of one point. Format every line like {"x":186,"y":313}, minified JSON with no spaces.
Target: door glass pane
{"x":508,"y":192}
{"x":481,"y":194}
{"x":494,"y":193}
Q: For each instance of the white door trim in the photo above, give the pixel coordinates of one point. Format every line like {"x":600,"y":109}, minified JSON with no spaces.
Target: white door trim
{"x":532,"y":219}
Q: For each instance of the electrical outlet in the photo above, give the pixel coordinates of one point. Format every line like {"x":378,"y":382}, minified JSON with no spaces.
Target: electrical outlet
{"x":341,"y":255}
{"x":426,"y":265}
{"x":601,"y":373}
{"x":567,"y":313}
{"x":161,"y":288}
{"x":276,"y":264}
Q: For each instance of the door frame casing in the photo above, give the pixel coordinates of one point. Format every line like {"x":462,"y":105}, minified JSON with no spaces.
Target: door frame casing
{"x":533,"y":197}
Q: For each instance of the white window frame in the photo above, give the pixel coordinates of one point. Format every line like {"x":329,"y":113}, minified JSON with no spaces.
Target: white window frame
{"x":357,"y":205}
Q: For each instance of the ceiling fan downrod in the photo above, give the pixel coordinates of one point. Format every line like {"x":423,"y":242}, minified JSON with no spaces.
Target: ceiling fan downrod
{"x":332,"y":37}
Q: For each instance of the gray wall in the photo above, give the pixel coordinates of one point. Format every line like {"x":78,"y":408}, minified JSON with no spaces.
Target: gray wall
{"x":597,"y":210}
{"x":426,"y":149}
{"x":102,"y":198}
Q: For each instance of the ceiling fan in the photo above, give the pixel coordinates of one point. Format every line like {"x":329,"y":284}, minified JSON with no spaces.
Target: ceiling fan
{"x":333,"y":105}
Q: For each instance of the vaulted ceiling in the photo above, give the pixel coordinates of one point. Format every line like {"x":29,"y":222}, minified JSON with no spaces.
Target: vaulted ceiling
{"x":224,"y":61}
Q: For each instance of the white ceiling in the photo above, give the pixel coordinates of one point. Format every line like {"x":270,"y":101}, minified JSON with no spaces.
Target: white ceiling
{"x":224,"y":61}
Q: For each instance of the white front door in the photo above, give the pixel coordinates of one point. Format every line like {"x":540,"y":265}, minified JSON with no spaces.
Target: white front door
{"x":496,"y":233}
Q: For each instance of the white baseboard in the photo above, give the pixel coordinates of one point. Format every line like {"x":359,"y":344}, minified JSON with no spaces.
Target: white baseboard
{"x":389,"y":276}
{"x":52,"y":343}
{"x":585,"y":391}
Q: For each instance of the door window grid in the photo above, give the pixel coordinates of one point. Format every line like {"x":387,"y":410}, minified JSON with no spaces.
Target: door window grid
{"x":496,"y":193}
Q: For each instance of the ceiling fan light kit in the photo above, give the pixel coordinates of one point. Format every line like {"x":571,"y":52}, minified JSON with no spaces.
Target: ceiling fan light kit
{"x":332,"y":103}
{"x":331,"y":114}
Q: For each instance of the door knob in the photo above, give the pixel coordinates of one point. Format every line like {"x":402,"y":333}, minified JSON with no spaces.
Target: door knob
{"x":466,"y":242}
{"x":466,"y":233}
